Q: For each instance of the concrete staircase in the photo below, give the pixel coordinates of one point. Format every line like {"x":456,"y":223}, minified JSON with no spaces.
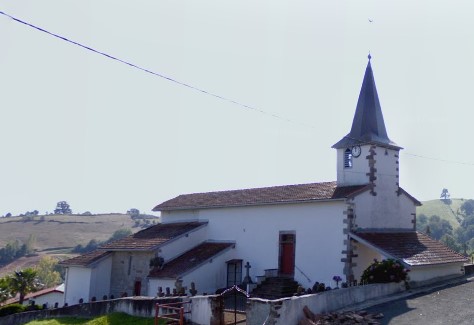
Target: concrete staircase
{"x":275,"y":288}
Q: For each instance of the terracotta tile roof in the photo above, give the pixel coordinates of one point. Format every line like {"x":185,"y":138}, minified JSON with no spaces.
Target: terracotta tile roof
{"x":36,"y":294}
{"x":150,"y":238}
{"x":190,"y":260}
{"x":260,"y":196}
{"x":85,"y":259}
{"x":413,"y":248}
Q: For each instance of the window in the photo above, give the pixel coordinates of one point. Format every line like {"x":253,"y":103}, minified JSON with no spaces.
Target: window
{"x":234,"y":272}
{"x":129,"y":264}
{"x":348,"y":158}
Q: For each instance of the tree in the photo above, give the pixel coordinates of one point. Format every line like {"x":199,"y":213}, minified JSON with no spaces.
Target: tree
{"x":421,"y":222}
{"x":30,"y":244}
{"x":445,"y":194}
{"x":23,"y":282}
{"x":62,"y":207}
{"x":46,"y":271}
{"x":119,"y":234}
{"x":4,"y":290}
{"x":133,"y":212}
{"x":467,"y":208}
{"x":439,"y":227}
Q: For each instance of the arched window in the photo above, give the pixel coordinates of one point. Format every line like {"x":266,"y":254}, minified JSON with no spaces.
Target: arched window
{"x":348,"y":158}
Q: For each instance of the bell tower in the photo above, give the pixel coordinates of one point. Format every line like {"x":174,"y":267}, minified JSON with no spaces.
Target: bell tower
{"x":366,"y":155}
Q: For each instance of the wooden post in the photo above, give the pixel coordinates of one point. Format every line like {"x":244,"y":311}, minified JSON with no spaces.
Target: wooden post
{"x":157,"y":308}
{"x":181,"y":316}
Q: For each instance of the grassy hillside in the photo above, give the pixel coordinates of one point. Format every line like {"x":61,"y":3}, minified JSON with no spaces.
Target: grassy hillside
{"x":56,"y":235}
{"x":63,"y":231}
{"x":447,"y":211}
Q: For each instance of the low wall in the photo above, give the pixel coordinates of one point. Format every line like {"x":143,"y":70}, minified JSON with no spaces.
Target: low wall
{"x":468,"y":269}
{"x":143,"y":307}
{"x":207,"y":310}
{"x":288,"y":311}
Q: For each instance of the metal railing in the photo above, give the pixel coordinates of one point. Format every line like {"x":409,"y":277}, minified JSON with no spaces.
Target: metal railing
{"x":301,"y":271}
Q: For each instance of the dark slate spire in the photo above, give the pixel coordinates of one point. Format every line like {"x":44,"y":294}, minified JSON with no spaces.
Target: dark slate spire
{"x":368,"y":126}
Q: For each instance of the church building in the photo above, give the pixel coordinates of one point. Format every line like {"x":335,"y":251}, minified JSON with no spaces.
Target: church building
{"x":306,"y":232}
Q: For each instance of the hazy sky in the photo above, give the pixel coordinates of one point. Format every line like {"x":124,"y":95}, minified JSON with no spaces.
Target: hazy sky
{"x":106,"y":137}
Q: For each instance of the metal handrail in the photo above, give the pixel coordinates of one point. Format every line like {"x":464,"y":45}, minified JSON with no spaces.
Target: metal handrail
{"x":309,"y":280}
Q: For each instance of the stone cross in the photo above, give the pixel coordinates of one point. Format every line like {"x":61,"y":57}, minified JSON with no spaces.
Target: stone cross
{"x":247,"y":279}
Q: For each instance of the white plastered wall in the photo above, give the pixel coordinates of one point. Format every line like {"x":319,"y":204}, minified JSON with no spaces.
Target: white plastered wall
{"x":77,"y":284}
{"x":365,"y":257}
{"x":255,"y":229}
{"x":154,"y":284}
{"x":355,"y":175}
{"x":208,"y":277}
{"x":384,"y":210}
{"x":50,"y":299}
{"x":211,"y":275}
{"x":425,"y":273}
{"x":184,"y":243}
{"x":100,"y":278}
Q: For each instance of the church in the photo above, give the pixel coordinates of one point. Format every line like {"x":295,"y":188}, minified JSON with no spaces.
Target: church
{"x":305,"y":232}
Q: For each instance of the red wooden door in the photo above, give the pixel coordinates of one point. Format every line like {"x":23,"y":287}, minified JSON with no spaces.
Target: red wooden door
{"x":138,"y":288}
{"x":287,"y":265}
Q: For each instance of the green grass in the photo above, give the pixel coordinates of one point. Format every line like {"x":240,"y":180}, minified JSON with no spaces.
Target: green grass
{"x":444,"y":211}
{"x":111,"y":319}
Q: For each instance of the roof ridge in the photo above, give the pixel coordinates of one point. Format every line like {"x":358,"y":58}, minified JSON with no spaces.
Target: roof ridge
{"x":260,"y":188}
{"x":282,"y":194}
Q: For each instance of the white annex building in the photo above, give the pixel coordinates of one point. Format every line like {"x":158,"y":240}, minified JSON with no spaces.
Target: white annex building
{"x":306,"y":232}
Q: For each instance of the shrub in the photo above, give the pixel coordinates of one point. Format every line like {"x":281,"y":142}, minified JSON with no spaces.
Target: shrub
{"x":11,"y":309}
{"x":384,"y":272}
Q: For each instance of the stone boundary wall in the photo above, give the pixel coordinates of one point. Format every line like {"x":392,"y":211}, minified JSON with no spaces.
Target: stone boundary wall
{"x":288,"y":311}
{"x":143,"y":307}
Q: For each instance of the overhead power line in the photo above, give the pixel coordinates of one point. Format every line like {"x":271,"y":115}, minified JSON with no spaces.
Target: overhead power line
{"x":439,"y":159}
{"x":184,"y":84}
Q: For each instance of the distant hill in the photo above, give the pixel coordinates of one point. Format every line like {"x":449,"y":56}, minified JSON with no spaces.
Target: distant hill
{"x":63,"y":231}
{"x":56,"y":235}
{"x":447,"y":210}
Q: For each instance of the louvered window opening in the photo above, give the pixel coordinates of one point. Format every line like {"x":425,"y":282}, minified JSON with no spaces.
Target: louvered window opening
{"x":348,"y":158}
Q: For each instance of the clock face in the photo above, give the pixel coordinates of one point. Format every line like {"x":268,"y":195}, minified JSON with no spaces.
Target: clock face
{"x":356,"y":151}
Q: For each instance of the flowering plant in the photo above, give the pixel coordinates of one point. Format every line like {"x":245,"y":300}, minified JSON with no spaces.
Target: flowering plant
{"x":338,"y":279}
{"x":385,"y":271}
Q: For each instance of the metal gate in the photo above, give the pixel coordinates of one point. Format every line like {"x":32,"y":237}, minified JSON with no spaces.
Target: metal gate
{"x":234,"y":302}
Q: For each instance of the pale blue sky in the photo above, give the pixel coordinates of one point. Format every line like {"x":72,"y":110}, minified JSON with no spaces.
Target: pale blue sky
{"x":106,"y":137}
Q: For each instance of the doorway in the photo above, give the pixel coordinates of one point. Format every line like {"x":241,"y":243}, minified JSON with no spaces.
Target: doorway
{"x":234,"y":272}
{"x":286,"y":263}
{"x":137,"y":289}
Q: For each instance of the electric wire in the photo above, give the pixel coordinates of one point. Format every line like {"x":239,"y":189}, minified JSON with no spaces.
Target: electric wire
{"x":184,"y":84}
{"x":136,"y":66}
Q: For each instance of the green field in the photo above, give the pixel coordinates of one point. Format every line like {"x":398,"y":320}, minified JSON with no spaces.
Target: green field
{"x":445,"y":211}
{"x":111,"y":319}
